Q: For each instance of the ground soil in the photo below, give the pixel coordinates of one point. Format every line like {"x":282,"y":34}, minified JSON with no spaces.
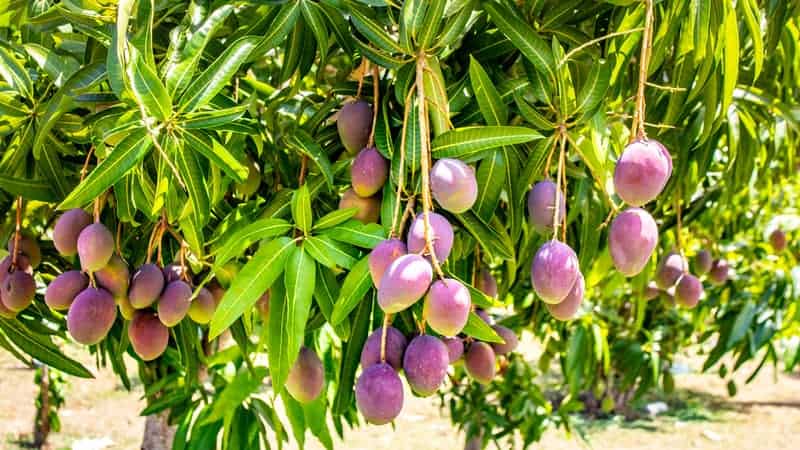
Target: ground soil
{"x":764,"y":415}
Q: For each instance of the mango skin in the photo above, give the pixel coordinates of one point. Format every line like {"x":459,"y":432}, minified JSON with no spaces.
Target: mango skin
{"x":27,"y":247}
{"x":379,"y":394}
{"x":64,"y":288}
{"x":480,"y":362}
{"x":688,"y":291}
{"x":509,"y":336}
{"x":669,"y":270}
{"x":306,"y":377}
{"x":404,"y":283}
{"x":441,"y":234}
{"x":91,"y":315}
{"x":395,"y":348}
{"x":425,"y":364}
{"x":202,"y":308}
{"x":368,"y":208}
{"x":67,"y":228}
{"x":487,"y":283}
{"x":174,"y":303}
{"x":568,"y":307}
{"x":382,"y":256}
{"x":114,"y":276}
{"x":369,"y":172}
{"x":447,"y":306}
{"x":149,"y":337}
{"x":17,"y":290}
{"x":702,"y":262}
{"x":632,"y":237}
{"x":453,"y":185}
{"x":95,"y":247}
{"x":146,"y":286}
{"x":541,"y":204}
{"x":554,"y":270}
{"x":354,"y":124}
{"x":455,"y":348}
{"x":642,"y":171}
{"x":719,"y":272}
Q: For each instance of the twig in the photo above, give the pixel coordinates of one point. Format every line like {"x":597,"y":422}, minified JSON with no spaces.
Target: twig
{"x":556,"y":208}
{"x":572,"y":52}
{"x":401,"y":172}
{"x":425,"y":155}
{"x":376,"y":88}
{"x":303,"y":168}
{"x":678,"y":222}
{"x":637,"y":129}
{"x":386,"y":321}
{"x":362,"y":69}
{"x":17,"y":234}
{"x":409,"y":211}
{"x":85,"y":168}
{"x":116,"y":241}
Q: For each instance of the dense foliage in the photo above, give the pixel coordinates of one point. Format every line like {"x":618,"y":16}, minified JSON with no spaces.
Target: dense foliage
{"x":222,"y":142}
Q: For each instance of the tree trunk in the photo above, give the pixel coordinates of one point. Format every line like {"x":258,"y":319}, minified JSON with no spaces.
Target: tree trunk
{"x":41,"y":428}
{"x":158,"y":433}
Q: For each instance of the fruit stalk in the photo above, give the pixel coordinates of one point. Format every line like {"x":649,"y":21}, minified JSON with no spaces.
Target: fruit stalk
{"x":558,"y":184}
{"x":376,"y":88}
{"x":637,"y":128}
{"x":17,"y":234}
{"x":386,"y":321}
{"x":401,"y":171}
{"x":425,"y":155}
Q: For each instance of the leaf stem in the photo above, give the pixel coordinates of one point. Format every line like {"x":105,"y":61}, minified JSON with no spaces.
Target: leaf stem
{"x":575,"y":50}
{"x":401,"y":172}
{"x":17,"y":234}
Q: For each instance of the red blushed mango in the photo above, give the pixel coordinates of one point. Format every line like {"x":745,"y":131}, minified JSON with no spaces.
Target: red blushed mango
{"x":379,"y":394}
{"x":395,"y":348}
{"x":368,"y":208}
{"x":553,"y":271}
{"x":441,"y":233}
{"x":447,"y":306}
{"x":642,"y":171}
{"x":669,"y":270}
{"x":68,"y":226}
{"x":480,"y":362}
{"x":688,"y":291}
{"x":425,"y":364}
{"x":146,"y":286}
{"x":632,"y":237}
{"x":453,"y":185}
{"x":382,"y":256}
{"x":541,"y":206}
{"x":567,"y":308}
{"x":510,"y":338}
{"x":149,"y":337}
{"x":404,"y":283}
{"x":91,"y":315}
{"x":174,"y":303}
{"x":306,"y":377}
{"x":95,"y":247}
{"x":354,"y":124}
{"x":64,"y":288}
{"x":369,"y":172}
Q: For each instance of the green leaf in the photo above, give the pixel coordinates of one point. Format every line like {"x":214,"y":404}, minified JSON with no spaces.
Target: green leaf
{"x":150,"y":94}
{"x":478,"y":298}
{"x":595,"y":87}
{"x":481,"y":330}
{"x":15,"y":73}
{"x":355,"y":287}
{"x":730,"y":70}
{"x":182,"y":62}
{"x":216,"y":153}
{"x":471,"y":143}
{"x":31,"y":189}
{"x":326,"y":291}
{"x":524,"y":38}
{"x":495,"y":242}
{"x":252,"y":281}
{"x":217,"y":75}
{"x":741,"y":324}
{"x":195,"y":180}
{"x":335,"y":217}
{"x":356,"y":233}
{"x":234,"y":244}
{"x":494,"y":111}
{"x":41,"y":348}
{"x":306,"y":144}
{"x":529,"y":113}
{"x":58,"y":67}
{"x":374,"y":33}
{"x":315,"y":19}
{"x":244,"y":384}
{"x":301,"y":209}
{"x":749,"y":8}
{"x":280,"y":27}
{"x":330,"y":253}
{"x":491,"y":179}
{"x":204,"y":120}
{"x":123,"y":158}
{"x":288,"y":315}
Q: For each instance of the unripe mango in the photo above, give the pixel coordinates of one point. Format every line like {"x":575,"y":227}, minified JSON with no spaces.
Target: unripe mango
{"x":262,"y":306}
{"x":486,"y":283}
{"x":114,"y":277}
{"x":702,"y":262}
{"x":29,"y":247}
{"x":201,"y":310}
{"x":777,"y":239}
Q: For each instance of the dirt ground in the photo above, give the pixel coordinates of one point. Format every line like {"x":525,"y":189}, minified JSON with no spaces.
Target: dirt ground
{"x":100,"y":414}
